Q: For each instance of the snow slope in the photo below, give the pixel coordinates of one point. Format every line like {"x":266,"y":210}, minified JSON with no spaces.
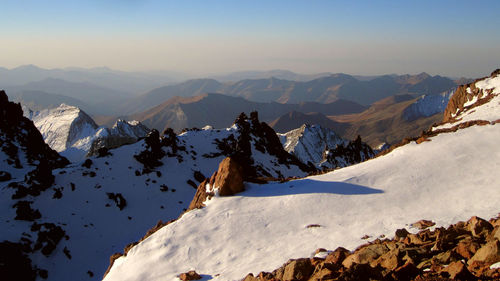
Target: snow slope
{"x":446,"y":179}
{"x":427,"y":105}
{"x":81,"y":202}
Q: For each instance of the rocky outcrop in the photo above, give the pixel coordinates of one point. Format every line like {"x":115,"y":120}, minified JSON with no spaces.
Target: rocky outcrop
{"x":18,"y":132}
{"x":463,"y":97}
{"x":352,"y":152}
{"x":226,"y":181}
{"x":255,"y":135}
{"x":190,"y":275}
{"x":122,"y":133}
{"x":27,"y":153}
{"x":463,"y":251}
{"x":323,"y":148}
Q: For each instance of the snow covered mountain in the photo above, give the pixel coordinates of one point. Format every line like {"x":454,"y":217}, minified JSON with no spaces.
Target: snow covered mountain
{"x":427,"y":105}
{"x":445,"y":178}
{"x":65,"y":222}
{"x":324,"y":148}
{"x":73,"y":133}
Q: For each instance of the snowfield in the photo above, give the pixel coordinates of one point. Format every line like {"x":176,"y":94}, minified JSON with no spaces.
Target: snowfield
{"x":447,"y":179}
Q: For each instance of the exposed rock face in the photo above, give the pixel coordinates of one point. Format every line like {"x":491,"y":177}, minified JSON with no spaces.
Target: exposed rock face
{"x":25,"y":150}
{"x":123,"y":132}
{"x":18,"y":132}
{"x":427,"y":255}
{"x":353,"y":152}
{"x":226,"y":181}
{"x":466,"y":97}
{"x":323,"y":148}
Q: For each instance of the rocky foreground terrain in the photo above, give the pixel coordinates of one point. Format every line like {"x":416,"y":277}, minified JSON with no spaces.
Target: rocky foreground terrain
{"x":463,"y":251}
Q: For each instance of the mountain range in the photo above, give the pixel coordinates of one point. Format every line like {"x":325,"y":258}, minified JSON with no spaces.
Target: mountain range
{"x":322,"y":90}
{"x":313,"y":225}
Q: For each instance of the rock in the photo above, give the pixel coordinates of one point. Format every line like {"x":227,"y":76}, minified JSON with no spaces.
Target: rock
{"x":494,"y":234}
{"x":322,"y":273}
{"x":250,"y":277}
{"x":479,"y":227}
{"x":401,"y":234}
{"x":229,"y":178}
{"x":423,"y":224}
{"x":405,"y":272}
{"x":467,"y":248}
{"x":297,"y":270}
{"x":190,"y":275}
{"x":338,"y":256}
{"x":5,"y":176}
{"x":389,"y":261}
{"x":489,"y":253}
{"x":365,"y":255}
{"x":361,"y":272}
{"x":458,"y":271}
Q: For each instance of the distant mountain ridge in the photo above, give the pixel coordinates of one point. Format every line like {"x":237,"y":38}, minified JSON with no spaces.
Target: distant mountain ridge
{"x":325,"y":89}
{"x":213,"y":109}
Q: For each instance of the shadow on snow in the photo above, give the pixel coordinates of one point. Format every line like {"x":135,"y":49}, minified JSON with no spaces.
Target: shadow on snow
{"x":308,"y":186}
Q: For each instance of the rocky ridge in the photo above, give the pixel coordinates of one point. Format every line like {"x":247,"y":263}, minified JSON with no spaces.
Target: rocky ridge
{"x":463,"y":251}
{"x":24,"y":155}
{"x":323,"y":148}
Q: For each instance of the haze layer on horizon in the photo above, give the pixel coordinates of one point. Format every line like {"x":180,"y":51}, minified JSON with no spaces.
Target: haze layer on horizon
{"x":449,"y":37}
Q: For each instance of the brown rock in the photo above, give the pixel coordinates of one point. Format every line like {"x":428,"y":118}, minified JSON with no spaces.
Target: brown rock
{"x":479,"y":227}
{"x":298,"y":270}
{"x":266,"y":276}
{"x":401,"y":234}
{"x":494,"y":234}
{"x":229,"y":178}
{"x":250,"y":277}
{"x":489,"y":253}
{"x":408,"y":271}
{"x":467,"y":248}
{"x":190,"y":275}
{"x":390,"y":260}
{"x":323,"y":273}
{"x":423,"y":224}
{"x":365,"y":254}
{"x":337,"y":256}
{"x":361,"y":272}
{"x":458,"y":271}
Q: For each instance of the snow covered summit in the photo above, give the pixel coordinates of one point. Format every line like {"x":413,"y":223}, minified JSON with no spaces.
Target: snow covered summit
{"x":74,"y":134}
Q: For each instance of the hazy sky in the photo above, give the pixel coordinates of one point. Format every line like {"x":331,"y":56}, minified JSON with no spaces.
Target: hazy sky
{"x":454,"y":37}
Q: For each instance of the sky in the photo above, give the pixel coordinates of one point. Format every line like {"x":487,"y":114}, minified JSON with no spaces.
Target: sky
{"x":446,"y":37}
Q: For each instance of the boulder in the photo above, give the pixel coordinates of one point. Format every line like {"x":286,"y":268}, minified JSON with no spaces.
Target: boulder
{"x":489,"y":253}
{"x":479,"y":227}
{"x":229,"y":178}
{"x":467,"y":247}
{"x":457,"y":271}
{"x":365,"y":255}
{"x":298,"y":270}
{"x":389,"y":261}
{"x":190,"y":275}
{"x":423,"y":224}
{"x":338,"y":256}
